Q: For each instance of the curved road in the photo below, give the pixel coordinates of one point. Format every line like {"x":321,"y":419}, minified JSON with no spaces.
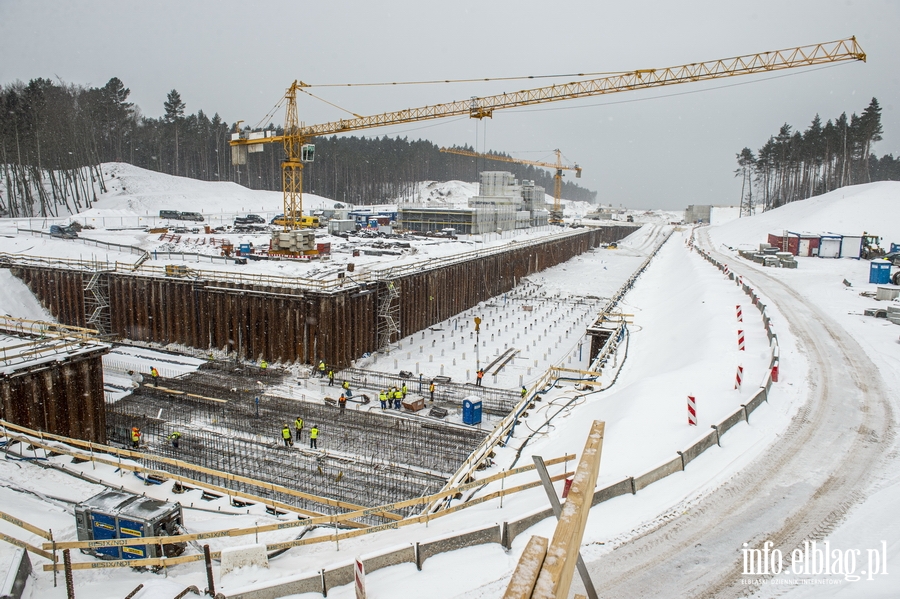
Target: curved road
{"x":799,"y":488}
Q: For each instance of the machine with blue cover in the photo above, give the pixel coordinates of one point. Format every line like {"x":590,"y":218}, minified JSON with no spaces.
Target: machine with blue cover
{"x":119,"y":515}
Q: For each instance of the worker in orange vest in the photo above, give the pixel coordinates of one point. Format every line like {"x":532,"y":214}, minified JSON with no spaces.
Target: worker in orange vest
{"x":135,"y":437}
{"x":478,"y":376}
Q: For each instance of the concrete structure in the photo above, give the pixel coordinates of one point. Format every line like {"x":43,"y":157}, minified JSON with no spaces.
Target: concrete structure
{"x":501,"y":204}
{"x":51,"y":378}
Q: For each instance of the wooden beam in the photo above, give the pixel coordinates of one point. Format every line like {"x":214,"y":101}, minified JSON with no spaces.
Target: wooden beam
{"x":559,"y":565}
{"x":529,"y":567}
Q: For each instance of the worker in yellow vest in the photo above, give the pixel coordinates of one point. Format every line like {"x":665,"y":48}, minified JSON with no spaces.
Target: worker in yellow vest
{"x":383,"y":397}
{"x":321,"y":368}
{"x":431,"y":389}
{"x":298,"y":428}
{"x":286,"y":435}
{"x":135,"y":437}
{"x":313,"y":436}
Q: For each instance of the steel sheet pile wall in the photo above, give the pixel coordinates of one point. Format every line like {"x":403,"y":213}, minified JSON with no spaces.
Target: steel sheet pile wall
{"x":61,"y":397}
{"x":287,"y":324}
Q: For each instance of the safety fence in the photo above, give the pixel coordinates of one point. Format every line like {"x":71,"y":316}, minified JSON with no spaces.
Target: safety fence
{"x":125,"y":249}
{"x":495,"y":401}
{"x":40,"y":339}
{"x":333,"y":281}
{"x":333,"y":521}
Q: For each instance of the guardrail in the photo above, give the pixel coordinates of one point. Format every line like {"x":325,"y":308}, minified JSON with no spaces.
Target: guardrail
{"x":332,"y":282}
{"x":41,"y":337}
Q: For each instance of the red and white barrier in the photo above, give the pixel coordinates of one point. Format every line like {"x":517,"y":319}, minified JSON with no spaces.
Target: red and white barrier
{"x":725,"y":269}
{"x":359,"y":579}
{"x":692,"y":410}
{"x":741,"y":340}
{"x":740,"y":315}
{"x":739,"y":377}
{"x":775,"y":372}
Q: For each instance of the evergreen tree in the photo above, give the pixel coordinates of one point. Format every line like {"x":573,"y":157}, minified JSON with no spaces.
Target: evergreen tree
{"x":174,"y":114}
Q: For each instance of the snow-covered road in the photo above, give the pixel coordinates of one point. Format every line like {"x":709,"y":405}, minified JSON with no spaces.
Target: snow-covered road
{"x":798,"y":489}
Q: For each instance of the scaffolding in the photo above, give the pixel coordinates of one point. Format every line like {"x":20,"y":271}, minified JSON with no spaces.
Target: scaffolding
{"x":388,"y":313}
{"x":96,"y":302}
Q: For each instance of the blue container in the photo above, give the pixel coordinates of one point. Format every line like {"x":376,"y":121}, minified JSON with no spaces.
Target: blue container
{"x":471,"y":412}
{"x":880,"y":272}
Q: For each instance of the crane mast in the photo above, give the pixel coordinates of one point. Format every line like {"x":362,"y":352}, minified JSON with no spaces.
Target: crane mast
{"x":296,"y":135}
{"x":556,"y":215}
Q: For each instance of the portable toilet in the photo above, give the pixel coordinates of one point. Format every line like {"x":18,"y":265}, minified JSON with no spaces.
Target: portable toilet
{"x":471,"y":412}
{"x":880,"y":272}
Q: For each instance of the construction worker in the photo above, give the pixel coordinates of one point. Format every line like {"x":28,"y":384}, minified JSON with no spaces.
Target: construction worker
{"x":342,"y":402}
{"x":431,"y":389}
{"x":135,"y":437}
{"x":263,"y":365}
{"x":478,"y":376}
{"x":524,"y":391}
{"x":175,"y":437}
{"x":398,"y":397}
{"x":313,"y":436}
{"x":345,"y":385}
{"x":321,"y":368}
{"x":286,"y":435}
{"x":331,"y":377}
{"x":136,"y":379}
{"x":403,"y":390}
{"x":154,"y":375}
{"x":298,"y":428}
{"x":383,"y":397}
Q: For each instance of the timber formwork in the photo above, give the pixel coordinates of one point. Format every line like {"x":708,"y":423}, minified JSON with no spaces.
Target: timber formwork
{"x":292,"y":324}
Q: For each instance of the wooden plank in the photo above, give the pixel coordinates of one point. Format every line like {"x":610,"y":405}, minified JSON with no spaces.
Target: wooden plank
{"x":527,"y":570}
{"x":22,"y":524}
{"x":556,"y":574}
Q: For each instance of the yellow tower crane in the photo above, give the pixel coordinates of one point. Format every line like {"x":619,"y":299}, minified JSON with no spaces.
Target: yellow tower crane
{"x":296,"y":135}
{"x":556,"y":215}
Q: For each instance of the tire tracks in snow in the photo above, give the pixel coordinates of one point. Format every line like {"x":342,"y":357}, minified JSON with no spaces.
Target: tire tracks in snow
{"x":799,"y":488}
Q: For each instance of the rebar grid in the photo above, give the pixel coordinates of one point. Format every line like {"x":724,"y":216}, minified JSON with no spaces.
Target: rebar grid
{"x":364,"y":458}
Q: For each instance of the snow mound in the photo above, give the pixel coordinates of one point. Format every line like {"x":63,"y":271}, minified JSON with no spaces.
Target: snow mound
{"x":137,"y":191}
{"x":873,"y":208}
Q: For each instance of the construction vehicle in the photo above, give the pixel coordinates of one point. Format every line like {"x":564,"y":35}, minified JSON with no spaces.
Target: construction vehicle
{"x":870,"y":247}
{"x":556,"y":215}
{"x":296,"y":137}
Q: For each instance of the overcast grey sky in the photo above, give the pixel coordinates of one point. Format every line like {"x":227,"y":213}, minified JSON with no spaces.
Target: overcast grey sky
{"x":663,"y":148}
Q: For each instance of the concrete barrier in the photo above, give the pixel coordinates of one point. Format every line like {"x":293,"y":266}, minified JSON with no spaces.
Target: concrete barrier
{"x":402,"y":555}
{"x":663,"y":470}
{"x":242,"y":556}
{"x":480,"y":536}
{"x":309,"y":583}
{"x":338,"y":576}
{"x":691,"y":453}
{"x":728,"y":423}
{"x":517,"y":527}
{"x":623,"y":487}
{"x":16,"y":576}
{"x":755,"y":402}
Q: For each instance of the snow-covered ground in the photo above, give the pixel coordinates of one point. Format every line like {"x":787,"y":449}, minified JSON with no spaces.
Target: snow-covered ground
{"x":682,"y":342}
